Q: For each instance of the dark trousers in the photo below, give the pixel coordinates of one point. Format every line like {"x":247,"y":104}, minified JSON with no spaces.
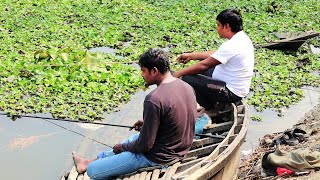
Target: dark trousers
{"x":210,"y":92}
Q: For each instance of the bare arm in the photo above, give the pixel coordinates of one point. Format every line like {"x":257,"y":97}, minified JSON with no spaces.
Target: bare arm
{"x":186,"y":57}
{"x":199,"y":67}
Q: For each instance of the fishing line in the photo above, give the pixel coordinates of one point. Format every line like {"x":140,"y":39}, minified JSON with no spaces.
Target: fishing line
{"x":77,"y":133}
{"x":70,"y":120}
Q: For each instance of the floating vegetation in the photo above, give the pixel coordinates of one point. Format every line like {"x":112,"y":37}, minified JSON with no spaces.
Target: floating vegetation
{"x":23,"y":142}
{"x":256,"y":118}
{"x":45,"y":65}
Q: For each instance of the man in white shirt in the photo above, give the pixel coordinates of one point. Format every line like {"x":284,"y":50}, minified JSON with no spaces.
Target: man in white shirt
{"x":221,"y":76}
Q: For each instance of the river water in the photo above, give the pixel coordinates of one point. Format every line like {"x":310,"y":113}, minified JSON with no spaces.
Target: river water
{"x":37,"y":149}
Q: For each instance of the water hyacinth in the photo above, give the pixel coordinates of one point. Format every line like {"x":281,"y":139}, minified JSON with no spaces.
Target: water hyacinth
{"x":46,"y":67}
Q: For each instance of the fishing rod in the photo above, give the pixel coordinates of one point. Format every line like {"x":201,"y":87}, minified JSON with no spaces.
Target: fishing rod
{"x":68,"y":120}
{"x":105,"y":63}
{"x":79,"y":64}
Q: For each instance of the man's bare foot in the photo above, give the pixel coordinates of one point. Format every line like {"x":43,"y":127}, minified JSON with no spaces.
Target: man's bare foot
{"x":80,"y":163}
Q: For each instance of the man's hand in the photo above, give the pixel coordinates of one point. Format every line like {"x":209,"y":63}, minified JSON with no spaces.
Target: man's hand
{"x":184,"y":58}
{"x":137,"y":126}
{"x":177,"y":74}
{"x":117,"y":148}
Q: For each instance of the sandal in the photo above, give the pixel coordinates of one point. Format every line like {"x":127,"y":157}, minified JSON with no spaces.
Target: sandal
{"x":286,"y":138}
{"x":299,"y":134}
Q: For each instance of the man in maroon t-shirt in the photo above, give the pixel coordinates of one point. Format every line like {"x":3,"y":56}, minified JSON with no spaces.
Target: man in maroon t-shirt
{"x":167,"y":128}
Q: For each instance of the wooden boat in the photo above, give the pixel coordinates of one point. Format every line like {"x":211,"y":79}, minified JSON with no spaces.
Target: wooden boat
{"x":215,"y":155}
{"x":289,"y":41}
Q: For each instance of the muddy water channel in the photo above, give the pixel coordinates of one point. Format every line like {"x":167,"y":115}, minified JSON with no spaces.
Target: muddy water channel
{"x":38,"y":149}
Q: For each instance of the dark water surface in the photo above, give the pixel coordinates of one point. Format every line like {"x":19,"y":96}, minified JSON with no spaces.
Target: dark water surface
{"x":36,"y":149}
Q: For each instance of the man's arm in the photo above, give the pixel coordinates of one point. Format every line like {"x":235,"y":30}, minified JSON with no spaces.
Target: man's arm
{"x":197,"y":68}
{"x":148,"y":131}
{"x":186,"y":57}
{"x":137,"y":126}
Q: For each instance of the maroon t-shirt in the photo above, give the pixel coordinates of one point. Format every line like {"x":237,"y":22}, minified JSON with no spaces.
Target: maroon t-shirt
{"x":169,"y":116}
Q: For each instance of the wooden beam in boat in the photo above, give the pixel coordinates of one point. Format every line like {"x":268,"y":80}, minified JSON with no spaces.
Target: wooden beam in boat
{"x":215,"y":154}
{"x":85,"y":176}
{"x":171,"y":171}
{"x":73,"y":173}
{"x":231,"y":139}
{"x":203,"y":142}
{"x":237,"y":129}
{"x":148,"y":175}
{"x":143,"y":175}
{"x":185,"y":160}
{"x":240,"y":109}
{"x":240,"y":119}
{"x":80,"y":177}
{"x":65,"y":175}
{"x":134,"y":177}
{"x":211,"y":169}
{"x":222,"y":148}
{"x":213,"y":128}
{"x":189,"y":164}
{"x":119,"y":178}
{"x":202,"y":151}
{"x":155,"y":174}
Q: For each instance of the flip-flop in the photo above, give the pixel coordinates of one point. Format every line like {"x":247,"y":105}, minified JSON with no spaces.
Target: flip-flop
{"x":286,"y":138}
{"x":289,"y":139}
{"x":299,"y":134}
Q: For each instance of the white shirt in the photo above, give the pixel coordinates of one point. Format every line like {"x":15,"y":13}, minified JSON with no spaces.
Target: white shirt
{"x":237,"y":61}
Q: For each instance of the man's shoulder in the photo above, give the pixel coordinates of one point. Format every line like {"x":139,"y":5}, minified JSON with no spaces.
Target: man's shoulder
{"x":176,"y":85}
{"x":241,"y":36}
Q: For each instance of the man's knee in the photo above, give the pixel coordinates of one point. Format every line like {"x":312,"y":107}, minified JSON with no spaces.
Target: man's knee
{"x":91,"y":171}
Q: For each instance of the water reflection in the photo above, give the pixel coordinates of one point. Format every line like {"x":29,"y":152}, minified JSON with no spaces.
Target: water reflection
{"x":105,"y":49}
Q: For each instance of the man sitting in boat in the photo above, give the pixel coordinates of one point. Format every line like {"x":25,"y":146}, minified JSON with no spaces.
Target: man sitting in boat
{"x":222,"y":76}
{"x":166,"y":131}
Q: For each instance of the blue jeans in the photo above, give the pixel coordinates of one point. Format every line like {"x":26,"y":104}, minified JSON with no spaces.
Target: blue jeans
{"x":109,"y":164}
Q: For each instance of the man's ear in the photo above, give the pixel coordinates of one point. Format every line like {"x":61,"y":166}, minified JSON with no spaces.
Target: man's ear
{"x":227,"y":26}
{"x":154,"y":71}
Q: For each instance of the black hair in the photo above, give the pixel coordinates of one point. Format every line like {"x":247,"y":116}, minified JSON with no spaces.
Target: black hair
{"x":155,"y":57}
{"x":231,"y":17}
